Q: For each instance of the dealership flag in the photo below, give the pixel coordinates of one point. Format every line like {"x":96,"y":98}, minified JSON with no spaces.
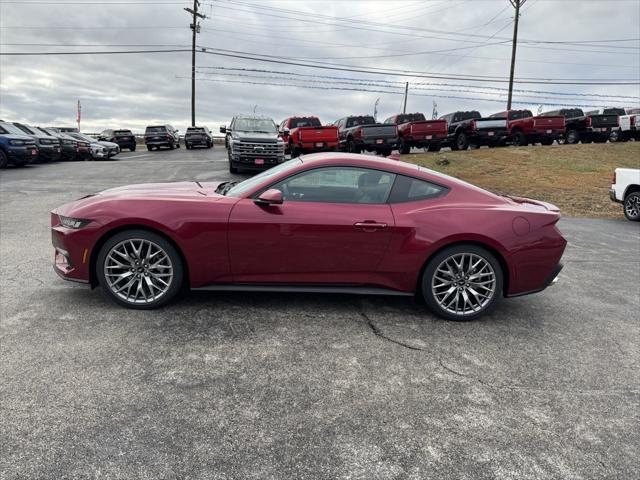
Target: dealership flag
{"x":79,"y":114}
{"x":435,"y":110}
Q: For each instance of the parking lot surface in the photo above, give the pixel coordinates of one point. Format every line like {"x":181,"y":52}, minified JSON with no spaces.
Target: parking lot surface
{"x":281,"y":386}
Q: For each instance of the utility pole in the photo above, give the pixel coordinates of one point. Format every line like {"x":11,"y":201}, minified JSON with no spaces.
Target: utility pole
{"x":406,"y":91}
{"x":375,"y":109}
{"x":195,"y":27}
{"x":516,"y":4}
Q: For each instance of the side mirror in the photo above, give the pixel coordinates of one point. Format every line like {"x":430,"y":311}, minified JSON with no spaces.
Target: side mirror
{"x":272,"y":196}
{"x":223,"y":129}
{"x":286,"y":131}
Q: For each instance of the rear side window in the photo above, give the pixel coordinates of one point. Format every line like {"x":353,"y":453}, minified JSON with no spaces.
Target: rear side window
{"x":408,"y":189}
{"x":305,"y":122}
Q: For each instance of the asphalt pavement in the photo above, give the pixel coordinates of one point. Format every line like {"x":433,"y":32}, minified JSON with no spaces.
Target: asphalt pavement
{"x":295,"y":386}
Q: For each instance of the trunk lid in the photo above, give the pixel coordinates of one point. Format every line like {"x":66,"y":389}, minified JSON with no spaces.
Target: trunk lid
{"x":429,"y":127}
{"x":379,"y":131}
{"x":601,"y":121}
{"x":549,"y":121}
{"x":318,"y":134}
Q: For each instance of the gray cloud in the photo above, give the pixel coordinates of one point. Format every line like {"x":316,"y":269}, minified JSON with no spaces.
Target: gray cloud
{"x":135,"y":90}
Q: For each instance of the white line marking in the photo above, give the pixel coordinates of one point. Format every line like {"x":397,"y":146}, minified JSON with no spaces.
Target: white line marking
{"x":138,"y":156}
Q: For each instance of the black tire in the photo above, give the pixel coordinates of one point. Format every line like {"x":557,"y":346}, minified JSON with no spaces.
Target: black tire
{"x":571,"y":137}
{"x":546,"y":141}
{"x":174,"y":283}
{"x":403,"y":147}
{"x":461,"y":141}
{"x":632,"y":207}
{"x":385,"y":152}
{"x":520,"y":139}
{"x":434,"y":147}
{"x":149,"y":147}
{"x":132,"y":149}
{"x":186,"y":145}
{"x":4,"y":160}
{"x":599,"y":140}
{"x":171,"y":146}
{"x":352,"y":147}
{"x":615,"y":136}
{"x":232,"y":169}
{"x":490,"y":263}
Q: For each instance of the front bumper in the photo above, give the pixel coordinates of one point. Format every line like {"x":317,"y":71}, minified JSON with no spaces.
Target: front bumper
{"x":73,"y":249}
{"x":22,"y":155}
{"x":50,"y":152}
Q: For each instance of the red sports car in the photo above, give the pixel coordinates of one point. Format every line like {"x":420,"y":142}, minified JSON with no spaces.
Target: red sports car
{"x":329,"y":222}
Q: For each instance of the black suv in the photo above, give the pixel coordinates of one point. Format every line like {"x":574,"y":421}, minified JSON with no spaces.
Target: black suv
{"x":124,"y":138}
{"x":48,"y":146}
{"x":156,"y":136}
{"x":68,"y":145}
{"x":198,"y":136}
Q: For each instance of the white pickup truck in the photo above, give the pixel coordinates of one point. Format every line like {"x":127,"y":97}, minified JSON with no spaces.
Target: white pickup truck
{"x":629,"y":125}
{"x":625,"y":189}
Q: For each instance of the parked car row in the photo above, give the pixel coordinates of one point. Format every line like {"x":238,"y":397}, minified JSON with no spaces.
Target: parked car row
{"x":257,"y":143}
{"x":25,"y":144}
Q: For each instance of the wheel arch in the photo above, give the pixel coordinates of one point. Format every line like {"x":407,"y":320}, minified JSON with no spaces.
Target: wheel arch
{"x":95,"y":251}
{"x":504,"y":266}
{"x":631,"y":189}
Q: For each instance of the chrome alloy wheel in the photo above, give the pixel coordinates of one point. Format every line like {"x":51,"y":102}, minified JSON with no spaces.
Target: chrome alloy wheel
{"x":138,"y":271}
{"x":463,"y":283}
{"x":632,"y":206}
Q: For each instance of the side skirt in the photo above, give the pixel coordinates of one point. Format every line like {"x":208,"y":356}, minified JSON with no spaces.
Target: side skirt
{"x":352,"y":290}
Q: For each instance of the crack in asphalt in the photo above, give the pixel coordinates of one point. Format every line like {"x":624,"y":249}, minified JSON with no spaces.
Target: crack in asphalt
{"x":379,"y":333}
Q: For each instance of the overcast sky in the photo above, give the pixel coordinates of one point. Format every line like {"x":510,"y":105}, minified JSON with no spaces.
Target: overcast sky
{"x":470,"y":38}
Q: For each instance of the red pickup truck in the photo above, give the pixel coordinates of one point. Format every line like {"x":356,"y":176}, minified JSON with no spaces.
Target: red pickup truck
{"x":524,"y":128}
{"x":306,"y":134}
{"x":414,"y":130}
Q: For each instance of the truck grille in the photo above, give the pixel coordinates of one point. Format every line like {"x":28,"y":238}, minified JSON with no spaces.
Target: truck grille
{"x":253,"y":150}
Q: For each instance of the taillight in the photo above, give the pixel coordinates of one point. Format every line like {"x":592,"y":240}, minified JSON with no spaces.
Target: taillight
{"x":358,"y":133}
{"x":410,"y":128}
{"x":473,"y":125}
{"x":613,"y":179}
{"x":633,"y":121}
{"x":589,"y":121}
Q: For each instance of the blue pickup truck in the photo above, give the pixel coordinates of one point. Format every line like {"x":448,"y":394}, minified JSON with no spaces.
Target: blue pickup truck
{"x":16,"y":148}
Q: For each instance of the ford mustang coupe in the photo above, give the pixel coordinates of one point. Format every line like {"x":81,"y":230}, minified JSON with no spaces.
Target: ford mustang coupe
{"x":328,"y":222}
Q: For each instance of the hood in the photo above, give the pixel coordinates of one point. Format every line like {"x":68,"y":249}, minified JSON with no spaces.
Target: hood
{"x":146,"y":191}
{"x":107,"y":144}
{"x":255,"y":136}
{"x":15,"y":136}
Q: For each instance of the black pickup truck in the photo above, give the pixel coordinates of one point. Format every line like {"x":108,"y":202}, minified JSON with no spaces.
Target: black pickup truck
{"x":362,"y":132}
{"x":589,"y":127}
{"x":471,"y":129}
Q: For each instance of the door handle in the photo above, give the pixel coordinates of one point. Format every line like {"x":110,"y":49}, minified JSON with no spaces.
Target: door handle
{"x":370,"y":226}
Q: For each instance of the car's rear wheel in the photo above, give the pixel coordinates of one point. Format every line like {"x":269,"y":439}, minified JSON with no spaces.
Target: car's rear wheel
{"x":632,"y":207}
{"x":4,"y":161}
{"x":149,"y":147}
{"x":572,"y":136}
{"x":520,"y":139}
{"x":462,"y":282}
{"x":139,"y":269}
{"x":404,"y":147}
{"x":461,"y":141}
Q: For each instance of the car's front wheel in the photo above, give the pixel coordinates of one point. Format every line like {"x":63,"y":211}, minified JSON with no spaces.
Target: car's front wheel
{"x":462,"y":282}
{"x":139,"y":269}
{"x":632,"y":207}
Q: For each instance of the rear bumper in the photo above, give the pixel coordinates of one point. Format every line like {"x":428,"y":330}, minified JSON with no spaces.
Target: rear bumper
{"x":318,"y":146}
{"x":425,"y":139}
{"x":486,"y":137}
{"x":551,"y":279}
{"x":197,"y":141}
{"x":376,"y":143}
{"x":613,"y":197}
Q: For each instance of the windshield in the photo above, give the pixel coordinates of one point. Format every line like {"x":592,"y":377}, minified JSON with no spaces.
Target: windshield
{"x":10,"y":128}
{"x":304,"y":122}
{"x":156,"y":129}
{"x":411,"y":117}
{"x":356,"y":121}
{"x":82,"y":136}
{"x":263,"y":125}
{"x":243,"y":187}
{"x":613,"y":111}
{"x":27,"y":130}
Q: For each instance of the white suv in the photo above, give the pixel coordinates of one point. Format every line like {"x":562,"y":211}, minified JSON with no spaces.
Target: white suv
{"x":625,"y":189}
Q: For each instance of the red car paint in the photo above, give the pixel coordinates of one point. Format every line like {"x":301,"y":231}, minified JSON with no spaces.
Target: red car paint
{"x":414,"y":130}
{"x":306,"y":135}
{"x":233,"y":240}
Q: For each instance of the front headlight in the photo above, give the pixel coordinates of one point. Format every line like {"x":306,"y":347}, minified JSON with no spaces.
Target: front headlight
{"x":71,"y":222}
{"x":45,"y":141}
{"x":16,"y":142}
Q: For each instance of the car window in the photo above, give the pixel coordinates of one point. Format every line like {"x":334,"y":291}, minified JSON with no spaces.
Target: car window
{"x":305,"y":122}
{"x":251,"y":183}
{"x":408,"y":189}
{"x":338,"y":185}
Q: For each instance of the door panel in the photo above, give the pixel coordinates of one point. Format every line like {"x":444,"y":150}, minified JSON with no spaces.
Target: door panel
{"x":309,"y":242}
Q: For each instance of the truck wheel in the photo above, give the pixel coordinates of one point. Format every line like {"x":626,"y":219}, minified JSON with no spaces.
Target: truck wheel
{"x":171,"y":146}
{"x":434,"y":147}
{"x":614,"y":136}
{"x":133,"y":149}
{"x":352,"y":147}
{"x":461,"y":141}
{"x":403,"y":147}
{"x":4,"y":161}
{"x":547,"y":141}
{"x":632,"y":207}
{"x":385,"y":152}
{"x":232,"y":169}
{"x":520,"y":139}
{"x":572,"y":137}
{"x":149,"y":147}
